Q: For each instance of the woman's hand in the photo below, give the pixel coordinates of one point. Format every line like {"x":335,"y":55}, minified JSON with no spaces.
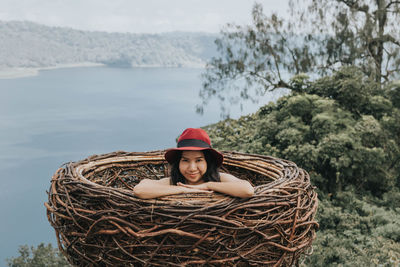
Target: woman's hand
{"x":229,"y":185}
{"x":198,"y":187}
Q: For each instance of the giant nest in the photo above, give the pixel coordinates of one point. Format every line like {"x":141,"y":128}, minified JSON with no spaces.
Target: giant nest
{"x":99,"y":222}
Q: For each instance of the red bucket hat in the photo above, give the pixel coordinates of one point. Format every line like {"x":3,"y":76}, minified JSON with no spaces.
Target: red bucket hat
{"x":193,"y":139}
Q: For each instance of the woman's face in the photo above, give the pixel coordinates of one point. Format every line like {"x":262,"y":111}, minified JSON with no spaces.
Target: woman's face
{"x":193,"y":166}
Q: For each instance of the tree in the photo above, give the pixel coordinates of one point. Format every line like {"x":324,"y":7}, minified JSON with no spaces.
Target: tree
{"x":318,"y":39}
{"x":341,"y":128}
{"x":344,"y":130}
{"x":365,"y":34}
{"x":41,"y":256}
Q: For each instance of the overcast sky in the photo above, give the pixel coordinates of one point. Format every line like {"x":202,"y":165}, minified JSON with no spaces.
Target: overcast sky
{"x":150,"y":16}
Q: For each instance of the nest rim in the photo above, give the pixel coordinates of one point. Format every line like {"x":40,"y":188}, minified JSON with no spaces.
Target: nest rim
{"x":280,"y":173}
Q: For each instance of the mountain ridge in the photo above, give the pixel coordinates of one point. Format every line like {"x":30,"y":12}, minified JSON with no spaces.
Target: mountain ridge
{"x":30,"y":45}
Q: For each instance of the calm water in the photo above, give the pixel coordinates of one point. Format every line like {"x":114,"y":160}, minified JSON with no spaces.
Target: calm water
{"x":68,"y":114}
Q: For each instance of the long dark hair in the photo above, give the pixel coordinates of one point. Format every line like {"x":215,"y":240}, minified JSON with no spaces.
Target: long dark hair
{"x":211,"y":175}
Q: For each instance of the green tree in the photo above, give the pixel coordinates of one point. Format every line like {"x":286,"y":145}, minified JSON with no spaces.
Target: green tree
{"x":41,"y":256}
{"x":320,"y":38}
{"x":341,"y":128}
{"x":355,"y":232}
{"x":344,"y":130}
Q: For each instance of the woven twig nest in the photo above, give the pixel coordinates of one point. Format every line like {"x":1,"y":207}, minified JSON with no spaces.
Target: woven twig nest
{"x":99,"y":221}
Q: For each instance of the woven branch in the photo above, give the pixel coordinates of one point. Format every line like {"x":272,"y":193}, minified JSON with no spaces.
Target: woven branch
{"x":99,"y":222}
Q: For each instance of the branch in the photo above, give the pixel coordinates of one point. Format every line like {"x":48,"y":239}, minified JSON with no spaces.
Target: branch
{"x":391,"y":3}
{"x":385,"y":38}
{"x":354,"y":5}
{"x":394,"y":41}
{"x":294,"y":59}
{"x":388,"y":60}
{"x":275,"y":56}
{"x":279,"y":84}
{"x":394,"y":163}
{"x":390,"y":72}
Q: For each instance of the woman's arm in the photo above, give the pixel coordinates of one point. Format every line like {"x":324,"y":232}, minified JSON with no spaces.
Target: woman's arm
{"x":229,"y":185}
{"x":148,"y":188}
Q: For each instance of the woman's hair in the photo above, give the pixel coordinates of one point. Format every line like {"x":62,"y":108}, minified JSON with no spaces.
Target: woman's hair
{"x":211,"y":174}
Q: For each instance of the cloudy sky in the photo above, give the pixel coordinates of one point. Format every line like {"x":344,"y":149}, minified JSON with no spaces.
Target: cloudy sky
{"x":151,"y":16}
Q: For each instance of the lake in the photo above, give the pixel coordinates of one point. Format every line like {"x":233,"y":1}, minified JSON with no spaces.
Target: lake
{"x":69,"y":114}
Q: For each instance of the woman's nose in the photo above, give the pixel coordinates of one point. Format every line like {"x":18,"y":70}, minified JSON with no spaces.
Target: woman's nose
{"x":192,"y":166}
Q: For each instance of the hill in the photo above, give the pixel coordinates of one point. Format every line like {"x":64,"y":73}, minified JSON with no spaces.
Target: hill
{"x":30,"y":45}
{"x":344,"y":130}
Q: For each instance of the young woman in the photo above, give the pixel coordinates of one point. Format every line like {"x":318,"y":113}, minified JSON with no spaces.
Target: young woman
{"x":194,"y":168}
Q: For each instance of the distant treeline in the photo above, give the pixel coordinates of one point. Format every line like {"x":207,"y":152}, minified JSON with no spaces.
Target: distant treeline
{"x":30,"y":45}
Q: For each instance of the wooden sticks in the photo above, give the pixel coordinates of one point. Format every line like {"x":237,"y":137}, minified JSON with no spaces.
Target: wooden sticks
{"x":99,"y":221}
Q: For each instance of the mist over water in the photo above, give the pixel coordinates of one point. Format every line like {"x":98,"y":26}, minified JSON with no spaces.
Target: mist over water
{"x":69,"y":114}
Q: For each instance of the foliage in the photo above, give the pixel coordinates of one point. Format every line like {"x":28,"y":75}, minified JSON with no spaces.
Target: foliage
{"x":320,"y":37}
{"x":41,"y":256}
{"x":344,"y":129}
{"x":363,"y":34}
{"x":355,"y":232}
{"x":341,"y":128}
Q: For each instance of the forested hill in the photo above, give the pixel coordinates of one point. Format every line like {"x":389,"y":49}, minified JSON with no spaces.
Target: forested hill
{"x":344,"y":129}
{"x":27,"y":44}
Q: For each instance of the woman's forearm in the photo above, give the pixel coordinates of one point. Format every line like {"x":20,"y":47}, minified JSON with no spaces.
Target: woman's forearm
{"x":146,"y":191}
{"x":152,"y":189}
{"x":241,"y":189}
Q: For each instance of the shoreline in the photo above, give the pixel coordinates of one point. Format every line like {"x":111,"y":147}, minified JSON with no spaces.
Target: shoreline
{"x":15,"y":73}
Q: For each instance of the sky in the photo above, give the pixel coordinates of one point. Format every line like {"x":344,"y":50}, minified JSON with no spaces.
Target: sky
{"x":137,"y":16}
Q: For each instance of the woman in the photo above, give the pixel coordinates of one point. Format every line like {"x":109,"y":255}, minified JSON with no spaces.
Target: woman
{"x":194,"y":168}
